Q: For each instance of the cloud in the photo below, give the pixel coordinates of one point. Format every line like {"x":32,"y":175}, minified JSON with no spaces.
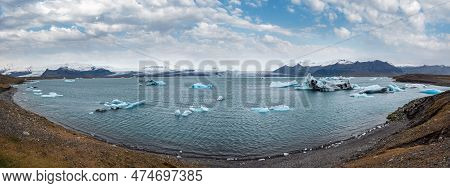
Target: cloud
{"x":342,"y":32}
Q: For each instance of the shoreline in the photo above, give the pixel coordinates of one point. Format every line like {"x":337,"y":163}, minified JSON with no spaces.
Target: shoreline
{"x":336,"y":154}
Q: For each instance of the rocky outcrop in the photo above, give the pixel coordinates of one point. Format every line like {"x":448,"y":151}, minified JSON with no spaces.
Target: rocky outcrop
{"x":442,"y":80}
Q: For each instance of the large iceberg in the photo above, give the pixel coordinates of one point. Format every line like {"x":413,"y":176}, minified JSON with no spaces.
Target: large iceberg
{"x":374,"y":89}
{"x":51,"y":95}
{"x":431,"y":91}
{"x":201,"y":86}
{"x":326,"y":84}
{"x":283,"y":84}
{"x":118,"y":104}
{"x":394,"y":88}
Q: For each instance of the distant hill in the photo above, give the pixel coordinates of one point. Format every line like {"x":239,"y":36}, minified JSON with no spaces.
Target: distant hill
{"x":426,"y":69}
{"x":65,"y":72}
{"x":359,"y":69}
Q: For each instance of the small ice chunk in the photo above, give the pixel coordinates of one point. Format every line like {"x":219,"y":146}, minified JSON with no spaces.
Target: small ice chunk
{"x":285,"y":154}
{"x":201,"y":86}
{"x":69,"y":81}
{"x":280,"y":108}
{"x":394,"y":88}
{"x":279,"y":84}
{"x":220,"y":98}
{"x":26,"y":133}
{"x":51,"y":95}
{"x":360,"y":95}
{"x":199,"y":109}
{"x":412,"y":86}
{"x":373,"y":79}
{"x":261,"y":159}
{"x":186,"y":113}
{"x":135,"y":104}
{"x":177,"y":113}
{"x":431,"y":91}
{"x":260,"y":110}
{"x":90,"y":113}
{"x":37,"y":91}
{"x":156,"y":83}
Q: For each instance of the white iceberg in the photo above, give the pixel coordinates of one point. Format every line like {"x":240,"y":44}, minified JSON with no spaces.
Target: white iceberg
{"x":69,"y":81}
{"x":135,"y":104}
{"x":156,"y":83}
{"x":280,"y":108}
{"x":373,"y":79}
{"x":199,"y":109}
{"x":51,"y":95}
{"x":260,"y":110}
{"x":360,"y":95}
{"x":37,"y":91}
{"x":186,"y":113}
{"x":326,"y":84}
{"x":201,"y":86}
{"x":177,"y":113}
{"x":394,"y":88}
{"x":373,"y":89}
{"x":283,"y":84}
{"x":220,"y":98}
{"x":413,"y":86}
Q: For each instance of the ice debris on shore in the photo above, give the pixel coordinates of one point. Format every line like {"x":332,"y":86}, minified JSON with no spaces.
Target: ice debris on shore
{"x":431,"y":91}
{"x":201,"y":86}
{"x":51,"y":95}
{"x":279,"y":84}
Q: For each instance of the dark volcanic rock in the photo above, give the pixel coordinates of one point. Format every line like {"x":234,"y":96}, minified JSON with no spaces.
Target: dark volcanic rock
{"x":65,"y":72}
{"x":434,"y":69}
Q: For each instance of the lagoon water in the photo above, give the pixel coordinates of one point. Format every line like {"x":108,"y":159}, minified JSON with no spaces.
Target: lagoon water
{"x":229,"y":129}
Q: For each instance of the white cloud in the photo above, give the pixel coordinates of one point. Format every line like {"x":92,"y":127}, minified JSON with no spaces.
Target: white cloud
{"x":342,"y":32}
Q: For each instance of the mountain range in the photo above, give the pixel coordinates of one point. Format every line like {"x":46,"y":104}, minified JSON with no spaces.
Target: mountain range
{"x":375,"y":68}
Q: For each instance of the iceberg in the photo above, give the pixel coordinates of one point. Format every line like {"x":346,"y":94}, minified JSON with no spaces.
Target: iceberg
{"x":413,"y":86}
{"x":199,"y":109}
{"x":156,"y":83}
{"x":220,"y":98}
{"x":177,"y":113}
{"x":260,"y":110}
{"x":360,"y":95}
{"x":374,"y":89}
{"x":51,"y":95}
{"x":394,"y":88}
{"x":431,"y":91}
{"x":69,"y":81}
{"x":201,"y":86}
{"x":186,"y":113}
{"x":283,"y":84}
{"x":280,"y":108}
{"x":326,"y":84}
{"x":373,"y":79}
{"x":133,"y":105}
{"x":37,"y":91}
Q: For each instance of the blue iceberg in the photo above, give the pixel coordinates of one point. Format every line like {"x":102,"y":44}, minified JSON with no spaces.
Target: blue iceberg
{"x":280,"y":108}
{"x":260,"y":110}
{"x":201,"y":86}
{"x":283,"y":84}
{"x":431,"y":91}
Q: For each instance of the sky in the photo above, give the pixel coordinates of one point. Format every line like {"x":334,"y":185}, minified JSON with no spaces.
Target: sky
{"x":121,"y":33}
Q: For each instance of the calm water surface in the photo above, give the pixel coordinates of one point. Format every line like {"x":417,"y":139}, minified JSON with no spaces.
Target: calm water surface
{"x":229,"y":129}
